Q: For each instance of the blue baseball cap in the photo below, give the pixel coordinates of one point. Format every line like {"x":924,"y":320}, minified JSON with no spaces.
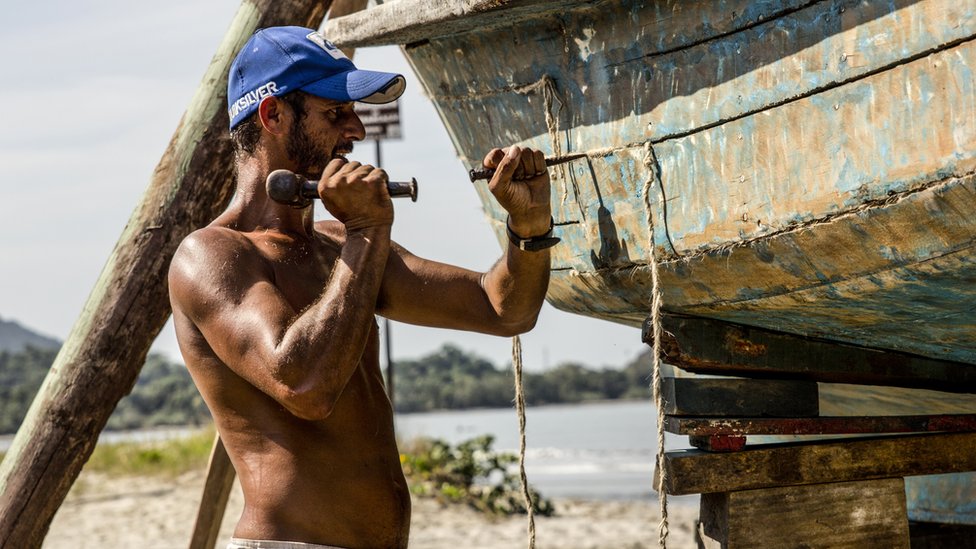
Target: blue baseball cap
{"x":279,"y":60}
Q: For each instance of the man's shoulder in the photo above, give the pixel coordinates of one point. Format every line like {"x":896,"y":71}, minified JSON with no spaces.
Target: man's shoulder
{"x":214,"y":242}
{"x":212,"y":256}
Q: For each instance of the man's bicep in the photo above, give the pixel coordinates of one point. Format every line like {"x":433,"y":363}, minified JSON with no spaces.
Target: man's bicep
{"x":247,"y":328}
{"x":240,"y":315}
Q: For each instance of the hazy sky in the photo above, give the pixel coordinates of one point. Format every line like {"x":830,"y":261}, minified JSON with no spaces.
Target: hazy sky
{"x":92,"y":92}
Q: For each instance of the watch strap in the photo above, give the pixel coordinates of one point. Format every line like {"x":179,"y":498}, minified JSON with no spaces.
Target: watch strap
{"x":535,"y":243}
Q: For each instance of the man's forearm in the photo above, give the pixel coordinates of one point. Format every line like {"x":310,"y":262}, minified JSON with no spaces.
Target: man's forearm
{"x":323,"y":346}
{"x":516,"y":286}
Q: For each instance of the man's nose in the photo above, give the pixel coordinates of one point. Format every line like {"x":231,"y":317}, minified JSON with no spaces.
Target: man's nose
{"x":354,"y":129}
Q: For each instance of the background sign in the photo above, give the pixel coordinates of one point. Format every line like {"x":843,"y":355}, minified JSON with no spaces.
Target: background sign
{"x":381,"y":121}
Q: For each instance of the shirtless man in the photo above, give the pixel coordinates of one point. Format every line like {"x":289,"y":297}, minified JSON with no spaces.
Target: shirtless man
{"x":275,"y":312}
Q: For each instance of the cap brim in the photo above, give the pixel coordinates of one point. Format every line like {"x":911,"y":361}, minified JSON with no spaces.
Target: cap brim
{"x":359,"y":85}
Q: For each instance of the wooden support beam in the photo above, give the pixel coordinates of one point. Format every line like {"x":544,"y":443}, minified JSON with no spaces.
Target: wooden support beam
{"x":342,"y":8}
{"x":766,"y":466}
{"x":213,"y":503}
{"x":718,"y":443}
{"x":410,"y":21}
{"x":738,"y":426}
{"x":710,"y":346}
{"x":99,"y":362}
{"x":866,"y":514}
{"x":929,"y":535}
{"x":740,"y":397}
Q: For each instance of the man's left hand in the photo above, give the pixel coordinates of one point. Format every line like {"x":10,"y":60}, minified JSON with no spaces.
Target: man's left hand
{"x":521,"y":186}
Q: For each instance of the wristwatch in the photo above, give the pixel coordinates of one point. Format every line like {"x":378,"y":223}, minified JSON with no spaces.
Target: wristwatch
{"x":535,"y":243}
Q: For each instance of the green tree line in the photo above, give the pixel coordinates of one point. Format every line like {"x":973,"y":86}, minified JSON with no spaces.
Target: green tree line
{"x":164,"y":394}
{"x":448,"y":379}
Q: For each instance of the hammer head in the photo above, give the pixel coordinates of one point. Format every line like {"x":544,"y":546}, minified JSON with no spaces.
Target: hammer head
{"x":284,"y":187}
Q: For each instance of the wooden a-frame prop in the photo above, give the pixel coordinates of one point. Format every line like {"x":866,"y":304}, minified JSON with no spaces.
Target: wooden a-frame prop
{"x":213,"y":503}
{"x":99,"y":362}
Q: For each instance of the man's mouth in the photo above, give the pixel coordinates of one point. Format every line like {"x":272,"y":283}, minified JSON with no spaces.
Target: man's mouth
{"x":341,"y":151}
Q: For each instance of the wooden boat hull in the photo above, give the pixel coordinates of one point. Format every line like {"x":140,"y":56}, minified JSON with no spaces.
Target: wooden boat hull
{"x":810,"y":165}
{"x":803,"y":166}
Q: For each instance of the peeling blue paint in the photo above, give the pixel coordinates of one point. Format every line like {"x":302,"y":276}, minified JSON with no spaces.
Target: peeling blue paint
{"x":815,"y":180}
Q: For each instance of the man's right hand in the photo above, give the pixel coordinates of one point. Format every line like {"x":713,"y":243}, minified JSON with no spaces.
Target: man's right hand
{"x":356,"y":194}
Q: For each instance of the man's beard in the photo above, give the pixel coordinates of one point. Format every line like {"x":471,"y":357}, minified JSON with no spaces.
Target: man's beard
{"x":310,"y":160}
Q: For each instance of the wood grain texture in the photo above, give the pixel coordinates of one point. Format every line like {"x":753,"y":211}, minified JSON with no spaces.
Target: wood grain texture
{"x":739,"y":397}
{"x":718,"y":443}
{"x":213,"y":502}
{"x":868,"y":515}
{"x":632,"y":71}
{"x":708,"y":346}
{"x":929,"y":535}
{"x":812,"y":161}
{"x":766,"y":466}
{"x":418,"y":20}
{"x":826,"y":425}
{"x":343,"y":8}
{"x":99,"y":362}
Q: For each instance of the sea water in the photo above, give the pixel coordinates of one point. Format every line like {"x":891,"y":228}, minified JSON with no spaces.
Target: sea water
{"x":602,"y":450}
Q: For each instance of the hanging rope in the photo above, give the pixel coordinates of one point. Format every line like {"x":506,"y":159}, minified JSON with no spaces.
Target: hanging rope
{"x":650,"y":162}
{"x":549,"y":95}
{"x":520,"y":410}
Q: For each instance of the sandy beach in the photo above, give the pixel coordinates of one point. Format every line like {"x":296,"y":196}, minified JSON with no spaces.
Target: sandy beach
{"x":158,"y":512}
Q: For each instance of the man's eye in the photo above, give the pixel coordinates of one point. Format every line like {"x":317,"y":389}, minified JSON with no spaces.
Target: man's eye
{"x":332,"y":114}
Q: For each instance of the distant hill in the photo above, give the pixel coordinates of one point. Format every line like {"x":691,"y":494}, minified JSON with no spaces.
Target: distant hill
{"x":16,"y":338}
{"x":164,"y":394}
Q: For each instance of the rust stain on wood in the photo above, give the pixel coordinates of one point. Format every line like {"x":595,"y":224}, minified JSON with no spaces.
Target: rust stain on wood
{"x":737,"y":344}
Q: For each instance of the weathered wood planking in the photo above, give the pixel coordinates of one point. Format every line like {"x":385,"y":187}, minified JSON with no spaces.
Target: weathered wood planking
{"x":740,"y":426}
{"x":909,"y":283}
{"x":100,"y":360}
{"x":739,"y":397}
{"x":213,"y":502}
{"x":488,"y":98}
{"x":927,"y":535}
{"x":786,"y":167}
{"x":866,"y":515}
{"x":671,"y":24}
{"x":942,"y":498}
{"x":718,"y":443}
{"x":627,"y":74}
{"x":797,"y":115}
{"x":696,"y":472}
{"x":862,"y":400}
{"x":343,"y":8}
{"x":708,"y":346}
{"x":892,"y":132}
{"x":406,"y":22}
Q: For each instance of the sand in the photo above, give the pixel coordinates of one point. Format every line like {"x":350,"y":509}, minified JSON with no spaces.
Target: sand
{"x":156,"y":512}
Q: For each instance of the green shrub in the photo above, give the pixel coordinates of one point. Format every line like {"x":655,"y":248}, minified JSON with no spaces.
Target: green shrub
{"x":470,"y":473}
{"x":169,"y":457}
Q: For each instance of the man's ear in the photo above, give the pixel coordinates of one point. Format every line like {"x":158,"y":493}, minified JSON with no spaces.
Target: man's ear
{"x":273,"y":115}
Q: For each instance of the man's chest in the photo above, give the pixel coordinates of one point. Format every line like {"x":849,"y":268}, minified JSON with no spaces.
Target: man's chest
{"x":301,"y":273}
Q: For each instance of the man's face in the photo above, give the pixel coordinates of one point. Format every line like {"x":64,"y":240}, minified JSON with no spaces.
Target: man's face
{"x":323,"y":130}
